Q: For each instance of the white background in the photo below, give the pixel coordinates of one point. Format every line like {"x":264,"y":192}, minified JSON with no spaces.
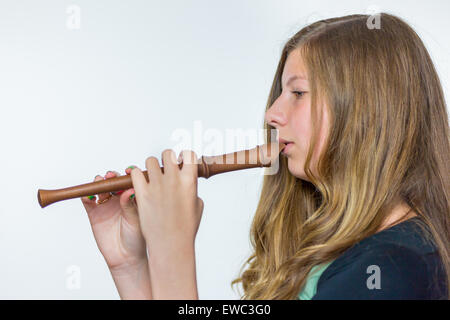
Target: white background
{"x":76,"y":103}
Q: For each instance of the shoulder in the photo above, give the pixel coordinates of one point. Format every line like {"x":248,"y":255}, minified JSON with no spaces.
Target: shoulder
{"x":381,"y":268}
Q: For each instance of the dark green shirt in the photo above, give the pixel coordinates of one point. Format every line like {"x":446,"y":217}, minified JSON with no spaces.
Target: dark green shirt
{"x":395,"y":263}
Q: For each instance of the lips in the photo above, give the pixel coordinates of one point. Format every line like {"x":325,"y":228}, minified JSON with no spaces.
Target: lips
{"x":287,"y":143}
{"x":284,"y":141}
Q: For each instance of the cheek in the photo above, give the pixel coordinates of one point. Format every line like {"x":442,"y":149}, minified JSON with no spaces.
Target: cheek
{"x":301,"y":126}
{"x":324,"y":131}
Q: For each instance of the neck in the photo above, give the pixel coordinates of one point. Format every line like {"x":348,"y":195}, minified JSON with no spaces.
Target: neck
{"x":400,"y":213}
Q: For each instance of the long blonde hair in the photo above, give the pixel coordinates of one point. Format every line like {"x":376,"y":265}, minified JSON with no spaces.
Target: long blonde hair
{"x":388,"y":143}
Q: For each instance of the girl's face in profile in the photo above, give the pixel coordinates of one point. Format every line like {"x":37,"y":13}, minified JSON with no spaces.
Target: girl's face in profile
{"x":291,"y":115}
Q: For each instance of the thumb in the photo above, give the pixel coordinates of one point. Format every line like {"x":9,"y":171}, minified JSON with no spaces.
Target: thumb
{"x":200,"y":205}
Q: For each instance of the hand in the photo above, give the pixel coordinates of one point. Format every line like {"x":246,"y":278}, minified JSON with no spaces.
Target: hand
{"x":116,"y":228}
{"x":170,"y":212}
{"x":117,"y":231}
{"x":169,"y":208}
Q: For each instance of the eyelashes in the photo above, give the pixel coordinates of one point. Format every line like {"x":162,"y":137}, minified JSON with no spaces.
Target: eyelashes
{"x":298,"y":94}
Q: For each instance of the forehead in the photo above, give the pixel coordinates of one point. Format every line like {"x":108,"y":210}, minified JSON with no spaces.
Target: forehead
{"x":294,"y":66}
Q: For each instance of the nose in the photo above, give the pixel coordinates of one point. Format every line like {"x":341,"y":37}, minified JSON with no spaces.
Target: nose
{"x":275,"y":116}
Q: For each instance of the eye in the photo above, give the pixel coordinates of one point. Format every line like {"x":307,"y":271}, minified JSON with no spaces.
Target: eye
{"x":298,"y":94}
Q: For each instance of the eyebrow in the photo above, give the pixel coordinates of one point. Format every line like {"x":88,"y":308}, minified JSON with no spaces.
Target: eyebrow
{"x":295,"y":77}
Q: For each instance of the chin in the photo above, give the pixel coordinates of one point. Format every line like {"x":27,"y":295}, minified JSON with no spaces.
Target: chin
{"x":297,"y":171}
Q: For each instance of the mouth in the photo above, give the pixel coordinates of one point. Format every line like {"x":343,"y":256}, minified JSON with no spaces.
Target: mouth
{"x":284,"y":141}
{"x":286,"y":144}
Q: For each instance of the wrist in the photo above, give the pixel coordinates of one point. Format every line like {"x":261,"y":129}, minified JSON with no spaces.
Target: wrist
{"x":129,"y":267}
{"x":169,"y":246}
{"x":173,"y":273}
{"x":132,"y":280}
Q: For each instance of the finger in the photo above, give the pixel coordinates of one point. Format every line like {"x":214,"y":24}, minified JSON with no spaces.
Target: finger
{"x":169,"y":162}
{"x":104,"y":195}
{"x":128,"y":201}
{"x":140,"y":184}
{"x":153,"y":170}
{"x":114,"y":174}
{"x":111,"y":174}
{"x":128,"y":172}
{"x":128,"y":204}
{"x":89,"y":202}
{"x":129,"y":168}
{"x":190,"y":164}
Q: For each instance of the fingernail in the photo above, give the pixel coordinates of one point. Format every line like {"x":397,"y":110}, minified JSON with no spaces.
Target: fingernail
{"x":132,"y":196}
{"x":131,"y":167}
{"x":91,"y":197}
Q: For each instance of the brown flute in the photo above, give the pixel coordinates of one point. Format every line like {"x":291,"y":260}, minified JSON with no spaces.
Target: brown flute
{"x":260,"y":156}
